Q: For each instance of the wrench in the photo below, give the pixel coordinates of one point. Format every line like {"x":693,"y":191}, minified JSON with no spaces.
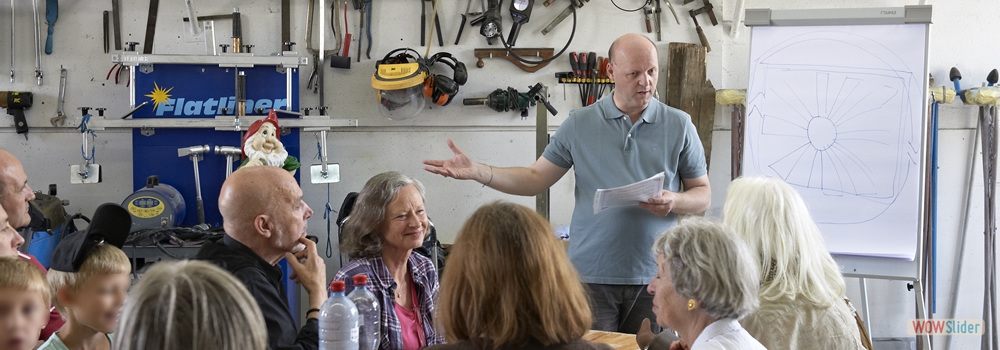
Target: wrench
{"x":60,"y":118}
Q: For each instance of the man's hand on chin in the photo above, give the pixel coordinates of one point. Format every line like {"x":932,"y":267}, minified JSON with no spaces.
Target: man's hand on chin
{"x":309,"y":270}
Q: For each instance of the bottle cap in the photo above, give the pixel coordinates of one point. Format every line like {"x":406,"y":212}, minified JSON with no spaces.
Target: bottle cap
{"x":337,"y":286}
{"x":361,"y":280}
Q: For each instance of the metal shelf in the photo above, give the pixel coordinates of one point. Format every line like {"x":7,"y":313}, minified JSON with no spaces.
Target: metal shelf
{"x":287,"y":60}
{"x":221,"y":123}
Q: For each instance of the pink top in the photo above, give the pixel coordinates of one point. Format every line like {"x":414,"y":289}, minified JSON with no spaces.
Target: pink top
{"x":411,"y":328}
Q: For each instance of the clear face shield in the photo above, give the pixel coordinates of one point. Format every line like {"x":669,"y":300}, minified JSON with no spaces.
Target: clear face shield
{"x":399,"y":90}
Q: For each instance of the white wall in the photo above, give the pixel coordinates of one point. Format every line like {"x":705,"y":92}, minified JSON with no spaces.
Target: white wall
{"x":495,"y":138}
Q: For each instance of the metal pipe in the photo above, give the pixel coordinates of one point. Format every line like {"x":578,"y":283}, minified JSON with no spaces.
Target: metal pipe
{"x":322,"y":153}
{"x":197,"y":190}
{"x":734,"y":30}
{"x":131,"y":90}
{"x":288,"y":88}
{"x":865,"y":315}
{"x":322,"y":49}
{"x":542,"y":202}
{"x":960,"y":254}
{"x":85,"y":144}
{"x":11,"y":41}
{"x":38,"y":44}
{"x":194,"y":20}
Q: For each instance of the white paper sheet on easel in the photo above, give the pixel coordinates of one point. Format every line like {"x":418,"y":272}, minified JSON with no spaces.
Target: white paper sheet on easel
{"x":838,"y":113}
{"x":628,"y":195}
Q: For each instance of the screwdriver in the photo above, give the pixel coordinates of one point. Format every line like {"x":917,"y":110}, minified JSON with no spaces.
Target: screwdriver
{"x":574,"y":62}
{"x":591,"y":64}
{"x":601,"y":63}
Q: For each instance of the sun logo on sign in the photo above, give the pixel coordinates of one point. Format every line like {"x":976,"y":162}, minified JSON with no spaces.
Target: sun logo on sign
{"x":159,"y":95}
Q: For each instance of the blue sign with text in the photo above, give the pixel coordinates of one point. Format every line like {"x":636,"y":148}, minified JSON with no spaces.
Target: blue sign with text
{"x":201,"y":91}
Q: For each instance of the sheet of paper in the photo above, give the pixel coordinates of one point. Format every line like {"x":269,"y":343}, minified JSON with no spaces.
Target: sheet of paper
{"x":628,"y":195}
{"x":838,"y":112}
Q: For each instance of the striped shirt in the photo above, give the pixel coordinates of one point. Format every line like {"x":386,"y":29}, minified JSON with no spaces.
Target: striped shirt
{"x":381,"y":283}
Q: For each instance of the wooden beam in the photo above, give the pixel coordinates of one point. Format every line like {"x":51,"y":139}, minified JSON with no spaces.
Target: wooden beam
{"x":687,"y":89}
{"x":705,"y":119}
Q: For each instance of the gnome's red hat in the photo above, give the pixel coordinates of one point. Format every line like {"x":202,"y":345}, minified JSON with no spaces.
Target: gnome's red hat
{"x":271,"y":118}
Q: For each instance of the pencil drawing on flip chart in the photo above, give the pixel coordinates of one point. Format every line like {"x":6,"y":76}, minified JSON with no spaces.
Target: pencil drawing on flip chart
{"x":833,"y":114}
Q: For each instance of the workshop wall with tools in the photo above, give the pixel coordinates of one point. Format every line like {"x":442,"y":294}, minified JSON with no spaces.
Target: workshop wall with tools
{"x":83,"y":42}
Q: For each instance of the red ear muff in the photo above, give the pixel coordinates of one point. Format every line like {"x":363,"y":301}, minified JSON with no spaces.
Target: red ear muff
{"x":442,"y":100}
{"x":429,"y":87}
{"x":444,"y":89}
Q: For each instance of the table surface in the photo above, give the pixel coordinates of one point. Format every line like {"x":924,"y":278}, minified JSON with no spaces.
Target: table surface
{"x":618,"y":341}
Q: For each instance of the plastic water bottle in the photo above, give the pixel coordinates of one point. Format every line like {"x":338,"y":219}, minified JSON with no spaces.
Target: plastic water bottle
{"x":338,"y":321}
{"x":368,"y":313}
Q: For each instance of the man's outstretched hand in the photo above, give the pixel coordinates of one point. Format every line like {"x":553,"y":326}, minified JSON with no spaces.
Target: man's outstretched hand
{"x":459,"y":167}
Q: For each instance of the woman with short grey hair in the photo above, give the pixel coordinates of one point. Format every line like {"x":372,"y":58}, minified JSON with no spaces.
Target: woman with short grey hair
{"x":190,"y":305}
{"x":387,"y":223}
{"x":705,"y":282}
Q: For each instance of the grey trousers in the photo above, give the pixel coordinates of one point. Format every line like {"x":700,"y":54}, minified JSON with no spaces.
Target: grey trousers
{"x":620,"y":308}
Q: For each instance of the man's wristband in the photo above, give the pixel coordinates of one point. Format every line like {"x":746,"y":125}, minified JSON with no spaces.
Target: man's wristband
{"x":311,"y":311}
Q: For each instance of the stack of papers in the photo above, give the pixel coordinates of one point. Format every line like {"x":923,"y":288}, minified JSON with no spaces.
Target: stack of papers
{"x":628,"y":195}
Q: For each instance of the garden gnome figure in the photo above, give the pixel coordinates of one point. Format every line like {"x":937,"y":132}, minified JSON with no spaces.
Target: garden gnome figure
{"x":262,"y":145}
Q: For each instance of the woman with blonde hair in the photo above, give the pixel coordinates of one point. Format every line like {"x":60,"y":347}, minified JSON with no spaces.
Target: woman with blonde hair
{"x":509,"y":285}
{"x":801,"y":295}
{"x":190,"y":305}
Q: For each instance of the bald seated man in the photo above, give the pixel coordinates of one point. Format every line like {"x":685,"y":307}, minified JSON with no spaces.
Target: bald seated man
{"x":15,"y":194}
{"x":625,"y":137}
{"x":265,"y":221}
{"x":15,"y":199}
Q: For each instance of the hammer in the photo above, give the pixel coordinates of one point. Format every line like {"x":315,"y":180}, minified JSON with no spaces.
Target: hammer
{"x":711,"y":15}
{"x":196,"y":153}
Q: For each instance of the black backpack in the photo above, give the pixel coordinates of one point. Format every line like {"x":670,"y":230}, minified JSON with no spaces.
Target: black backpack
{"x":48,"y":213}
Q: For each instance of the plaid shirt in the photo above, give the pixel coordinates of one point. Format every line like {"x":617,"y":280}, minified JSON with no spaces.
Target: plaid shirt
{"x":381,"y":283}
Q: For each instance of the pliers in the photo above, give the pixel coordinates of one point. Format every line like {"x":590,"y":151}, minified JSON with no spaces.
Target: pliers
{"x":117,"y":69}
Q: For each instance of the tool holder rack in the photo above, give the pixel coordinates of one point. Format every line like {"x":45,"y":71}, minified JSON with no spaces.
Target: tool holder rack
{"x":569,"y":78}
{"x":285,"y":62}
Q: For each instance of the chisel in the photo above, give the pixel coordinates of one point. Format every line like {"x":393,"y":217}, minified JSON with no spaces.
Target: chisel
{"x":116,"y":15}
{"x":107,"y":39}
{"x":154,"y":9}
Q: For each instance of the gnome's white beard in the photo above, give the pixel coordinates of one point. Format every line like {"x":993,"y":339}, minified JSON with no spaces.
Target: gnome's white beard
{"x":276,"y":157}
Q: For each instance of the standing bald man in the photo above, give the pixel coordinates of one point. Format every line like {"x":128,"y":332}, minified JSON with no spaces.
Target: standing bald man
{"x":623,"y":138}
{"x":265,"y":221}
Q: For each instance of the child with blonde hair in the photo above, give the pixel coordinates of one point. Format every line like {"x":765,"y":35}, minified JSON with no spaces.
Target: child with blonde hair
{"x":24,"y":304}
{"x":90,"y":277}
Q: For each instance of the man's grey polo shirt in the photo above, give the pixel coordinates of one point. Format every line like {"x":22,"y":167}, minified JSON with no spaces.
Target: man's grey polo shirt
{"x":607,"y":150}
